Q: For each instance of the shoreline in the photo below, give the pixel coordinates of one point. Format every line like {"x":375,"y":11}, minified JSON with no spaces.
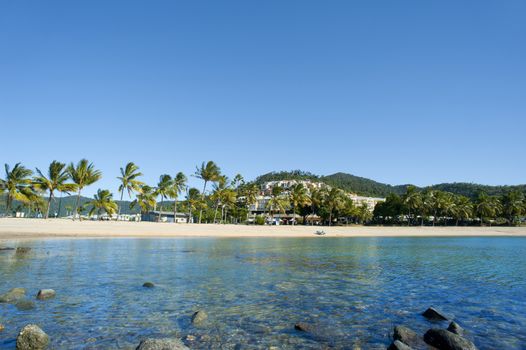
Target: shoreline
{"x":37,"y":229}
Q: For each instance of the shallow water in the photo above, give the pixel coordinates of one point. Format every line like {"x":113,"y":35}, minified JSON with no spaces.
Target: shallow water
{"x":255,"y":289}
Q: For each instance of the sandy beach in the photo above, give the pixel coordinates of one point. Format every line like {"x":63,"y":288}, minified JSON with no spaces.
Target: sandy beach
{"x":11,"y":229}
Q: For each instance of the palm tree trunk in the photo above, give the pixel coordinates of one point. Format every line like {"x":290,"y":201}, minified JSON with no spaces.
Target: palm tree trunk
{"x":120,"y":203}
{"x":330,"y":218}
{"x":203,"y":200}
{"x":160,"y":209}
{"x":48,"y":204}
{"x":59,"y":205}
{"x":215,"y":211}
{"x":175,"y":210}
{"x":77,"y":205}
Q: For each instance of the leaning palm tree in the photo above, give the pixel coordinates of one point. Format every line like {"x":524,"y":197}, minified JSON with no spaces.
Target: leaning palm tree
{"x":55,"y":180}
{"x":17,"y":184}
{"x":208,"y":172}
{"x":83,"y":174}
{"x":145,"y":199}
{"x":129,"y":182}
{"x":298,"y":196}
{"x":103,"y":202}
{"x":164,"y":189}
{"x":178,"y":186}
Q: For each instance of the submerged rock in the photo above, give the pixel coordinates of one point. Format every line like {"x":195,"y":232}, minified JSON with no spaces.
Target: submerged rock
{"x":148,"y":285}
{"x":161,"y":344}
{"x":406,"y":335}
{"x":455,"y":328}
{"x":13,"y":295}
{"x":199,"y":317}
{"x":433,"y":314}
{"x":1,"y":327}
{"x":445,"y":340}
{"x":31,"y":337}
{"x":23,"y":249}
{"x":46,"y":294}
{"x":398,"y":345}
{"x":305,"y":327}
{"x":25,"y":305}
{"x":6,"y":248}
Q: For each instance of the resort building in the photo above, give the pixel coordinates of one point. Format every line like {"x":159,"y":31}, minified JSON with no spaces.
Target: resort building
{"x":166,"y":216}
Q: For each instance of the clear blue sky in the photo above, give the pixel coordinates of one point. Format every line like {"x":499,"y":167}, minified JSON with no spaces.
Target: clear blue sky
{"x":398,"y":91}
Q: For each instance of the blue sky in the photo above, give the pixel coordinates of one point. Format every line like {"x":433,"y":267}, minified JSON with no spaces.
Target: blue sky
{"x":399,"y":91}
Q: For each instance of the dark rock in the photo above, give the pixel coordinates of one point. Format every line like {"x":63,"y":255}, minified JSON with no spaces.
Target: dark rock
{"x":445,"y":340}
{"x":13,"y":295}
{"x":6,"y":248}
{"x":161,"y":344}
{"x":455,"y":328}
{"x":148,"y":285}
{"x":434,"y":314}
{"x":406,"y":335}
{"x":23,"y":249}
{"x":199,"y":317}
{"x":31,"y":337}
{"x":46,"y":294}
{"x":25,"y":305}
{"x":398,"y":345}
{"x":305,"y":327}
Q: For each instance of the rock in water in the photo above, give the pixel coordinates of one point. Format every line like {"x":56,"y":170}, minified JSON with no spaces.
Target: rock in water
{"x":148,"y":285}
{"x":398,"y":345}
{"x":199,"y":317}
{"x":304,"y":327}
{"x":13,"y":295}
{"x":1,"y":327}
{"x":455,"y":328}
{"x":46,"y":294}
{"x":161,"y":344}
{"x":405,"y":335}
{"x":31,"y":337}
{"x":445,"y":340}
{"x":434,"y":314}
{"x":25,"y":305}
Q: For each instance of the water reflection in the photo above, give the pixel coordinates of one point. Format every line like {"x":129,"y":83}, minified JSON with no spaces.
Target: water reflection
{"x":254,"y":290}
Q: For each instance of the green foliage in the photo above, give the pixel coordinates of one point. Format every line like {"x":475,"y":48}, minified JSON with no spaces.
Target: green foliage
{"x":260,"y":220}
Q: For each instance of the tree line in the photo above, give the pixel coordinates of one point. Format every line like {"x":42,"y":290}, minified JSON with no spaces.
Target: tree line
{"x":436,"y":207}
{"x":228,"y":200}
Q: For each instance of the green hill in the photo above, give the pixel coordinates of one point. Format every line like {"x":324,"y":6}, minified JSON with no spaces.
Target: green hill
{"x":368,"y":187}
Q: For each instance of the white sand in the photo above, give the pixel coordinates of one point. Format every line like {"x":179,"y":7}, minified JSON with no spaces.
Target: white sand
{"x":11,"y":228}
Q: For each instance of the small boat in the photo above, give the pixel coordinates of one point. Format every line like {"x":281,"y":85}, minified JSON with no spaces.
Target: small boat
{"x":320,"y":233}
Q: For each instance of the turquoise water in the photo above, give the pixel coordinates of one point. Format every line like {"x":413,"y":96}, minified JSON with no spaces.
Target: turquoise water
{"x":254,"y":290}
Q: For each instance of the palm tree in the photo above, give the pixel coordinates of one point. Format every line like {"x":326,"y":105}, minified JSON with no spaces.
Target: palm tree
{"x":103,"y":202}
{"x":299,"y":196}
{"x":228,"y":199}
{"x":83,"y":174}
{"x":316,"y":200}
{"x":463,"y":209}
{"x":178,"y":186}
{"x":207,"y":172}
{"x":249,"y":193}
{"x":413,"y":200}
{"x":333,"y":201}
{"x":193,"y":200}
{"x":164,"y":189}
{"x":145,"y":199}
{"x":17,"y":184}
{"x":277,"y":202}
{"x":487,"y":206}
{"x":56,"y":178}
{"x":129,"y":181}
{"x":219,"y":187}
{"x":513,"y":206}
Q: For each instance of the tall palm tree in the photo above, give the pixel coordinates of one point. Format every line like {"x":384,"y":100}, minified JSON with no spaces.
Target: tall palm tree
{"x":178,"y":186}
{"x":513,"y":206}
{"x":249,"y":193}
{"x":17,"y":184}
{"x":103,"y":202}
{"x":193,"y":200}
{"x":164,"y":188}
{"x":299,"y":196}
{"x":56,"y":178}
{"x":83,"y":174}
{"x":333,"y":201}
{"x":129,"y":181}
{"x":228,"y":200}
{"x":463,"y":209}
{"x":145,"y":199}
{"x":219,"y":187}
{"x":208,"y":172}
{"x":317,"y":196}
{"x":277,"y":202}
{"x":413,"y":200}
{"x":487,"y":207}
